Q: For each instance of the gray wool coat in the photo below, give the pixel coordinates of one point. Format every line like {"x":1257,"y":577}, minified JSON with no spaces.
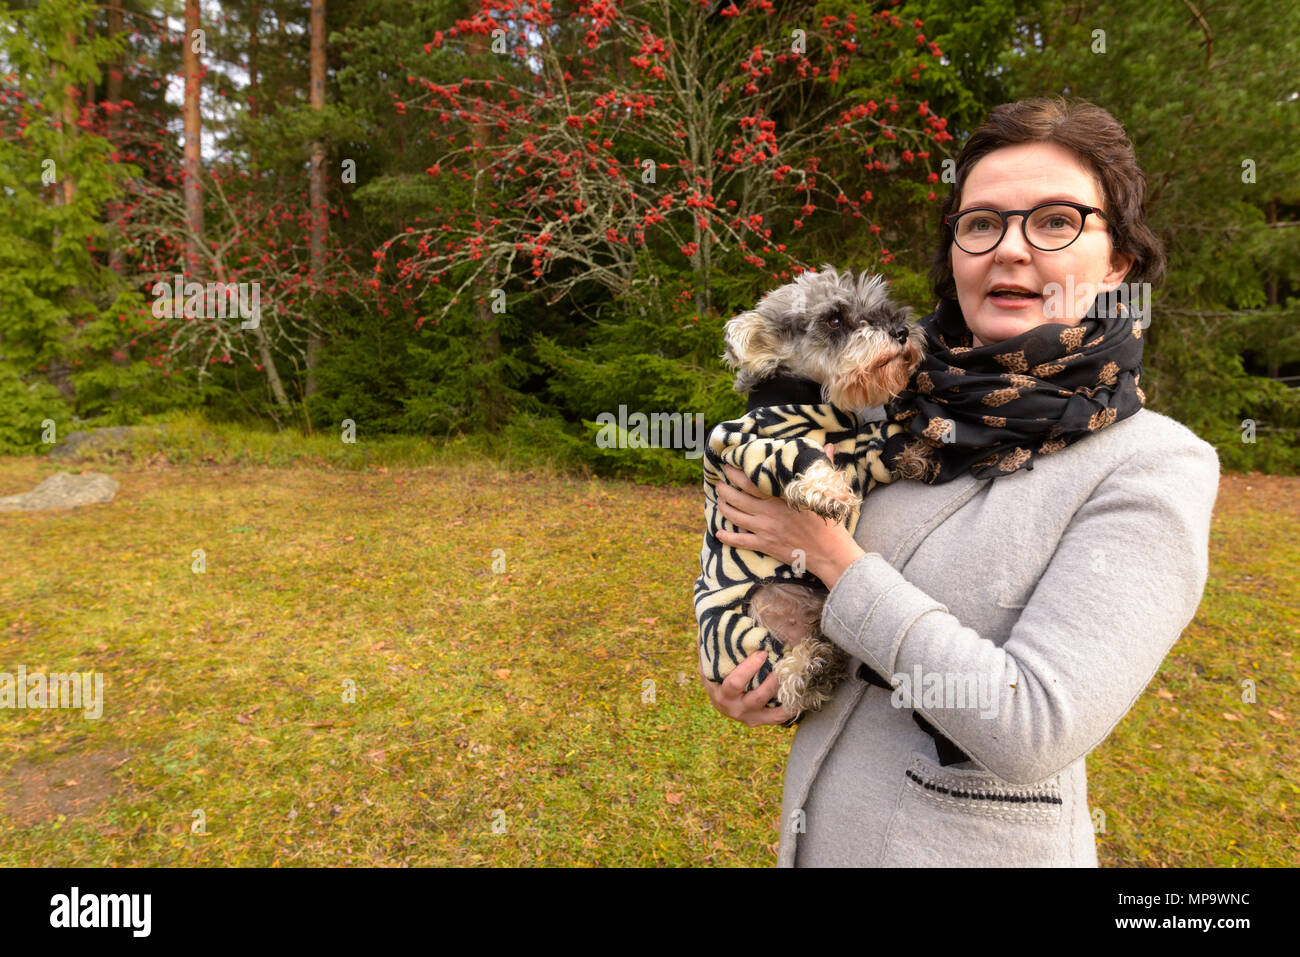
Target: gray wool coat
{"x":1027,"y":612}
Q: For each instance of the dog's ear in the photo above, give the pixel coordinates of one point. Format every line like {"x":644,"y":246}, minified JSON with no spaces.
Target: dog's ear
{"x":754,"y":348}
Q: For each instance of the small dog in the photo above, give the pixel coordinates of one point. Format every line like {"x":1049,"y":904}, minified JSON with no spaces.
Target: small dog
{"x":810,"y":355}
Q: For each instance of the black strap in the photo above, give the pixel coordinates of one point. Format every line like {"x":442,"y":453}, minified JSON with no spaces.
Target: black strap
{"x":871,"y":678}
{"x":948,"y":752}
{"x":784,"y":389}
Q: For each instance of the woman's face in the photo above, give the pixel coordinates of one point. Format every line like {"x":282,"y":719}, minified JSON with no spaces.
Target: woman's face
{"x":1021,"y":177}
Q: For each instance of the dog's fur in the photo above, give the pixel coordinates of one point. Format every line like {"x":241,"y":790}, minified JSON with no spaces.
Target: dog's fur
{"x":849,"y":337}
{"x":860,"y":364}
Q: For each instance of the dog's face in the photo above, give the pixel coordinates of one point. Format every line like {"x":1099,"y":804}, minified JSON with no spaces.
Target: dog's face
{"x":846,"y":334}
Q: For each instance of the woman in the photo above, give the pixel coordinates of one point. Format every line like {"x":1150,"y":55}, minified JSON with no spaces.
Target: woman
{"x":1006,"y":611}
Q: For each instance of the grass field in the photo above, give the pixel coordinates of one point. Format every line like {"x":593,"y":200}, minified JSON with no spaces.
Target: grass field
{"x":503,"y":716}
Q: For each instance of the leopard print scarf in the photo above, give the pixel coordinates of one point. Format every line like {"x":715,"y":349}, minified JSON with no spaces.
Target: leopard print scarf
{"x":996,"y":408}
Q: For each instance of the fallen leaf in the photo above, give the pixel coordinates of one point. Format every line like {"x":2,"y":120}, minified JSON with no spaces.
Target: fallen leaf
{"x":1162,"y":693}
{"x":502,"y":673}
{"x":1229,"y":716}
{"x":674,"y":797}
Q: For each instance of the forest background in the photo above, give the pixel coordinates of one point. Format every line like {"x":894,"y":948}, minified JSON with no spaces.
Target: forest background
{"x":487,"y":223}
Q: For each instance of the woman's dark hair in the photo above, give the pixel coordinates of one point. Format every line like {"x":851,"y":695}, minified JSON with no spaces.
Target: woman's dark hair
{"x":1101,"y":145}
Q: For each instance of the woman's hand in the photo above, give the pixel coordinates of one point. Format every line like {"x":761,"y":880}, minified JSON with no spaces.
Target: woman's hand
{"x":769,"y":525}
{"x":749,"y":708}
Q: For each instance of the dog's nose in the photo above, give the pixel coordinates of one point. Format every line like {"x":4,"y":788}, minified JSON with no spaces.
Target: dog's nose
{"x":901,"y":335}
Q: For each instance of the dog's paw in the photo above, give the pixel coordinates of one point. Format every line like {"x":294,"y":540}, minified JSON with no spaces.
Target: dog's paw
{"x":808,"y":675}
{"x":825,"y":490}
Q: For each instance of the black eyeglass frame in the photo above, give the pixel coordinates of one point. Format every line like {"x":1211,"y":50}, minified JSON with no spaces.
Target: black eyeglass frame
{"x":1004,"y":214}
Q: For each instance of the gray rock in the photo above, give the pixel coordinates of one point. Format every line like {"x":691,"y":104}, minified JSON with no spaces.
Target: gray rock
{"x":64,"y":490}
{"x":76,"y":442}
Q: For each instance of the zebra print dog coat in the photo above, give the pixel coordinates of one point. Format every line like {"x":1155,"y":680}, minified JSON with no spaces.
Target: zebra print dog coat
{"x":772,"y":445}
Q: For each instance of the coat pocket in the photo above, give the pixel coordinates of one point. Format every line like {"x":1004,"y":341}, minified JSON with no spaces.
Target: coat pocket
{"x":951,"y":817}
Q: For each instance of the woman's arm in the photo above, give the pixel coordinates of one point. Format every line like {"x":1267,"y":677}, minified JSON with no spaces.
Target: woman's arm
{"x":1088,"y":641}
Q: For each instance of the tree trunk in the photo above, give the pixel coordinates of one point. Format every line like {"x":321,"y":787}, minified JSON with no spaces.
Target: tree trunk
{"x":69,"y":126}
{"x":273,"y":381}
{"x":490,"y":345}
{"x":319,"y":211}
{"x":114,"y":96}
{"x":269,"y":370}
{"x":493,"y":406}
{"x":697,"y":260}
{"x":254,"y":94}
{"x":60,"y":369}
{"x":193,"y":146}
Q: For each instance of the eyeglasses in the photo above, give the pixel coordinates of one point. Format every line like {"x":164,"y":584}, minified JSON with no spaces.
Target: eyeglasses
{"x":1048,"y":226}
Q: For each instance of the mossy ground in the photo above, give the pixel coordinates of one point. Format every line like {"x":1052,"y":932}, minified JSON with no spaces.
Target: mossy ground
{"x":501,"y":625}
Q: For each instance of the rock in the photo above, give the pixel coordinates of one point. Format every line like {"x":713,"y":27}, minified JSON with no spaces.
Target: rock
{"x":76,"y":442}
{"x":64,"y":490}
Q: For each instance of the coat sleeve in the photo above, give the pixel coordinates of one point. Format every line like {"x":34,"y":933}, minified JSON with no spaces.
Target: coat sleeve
{"x":1090,"y":638}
